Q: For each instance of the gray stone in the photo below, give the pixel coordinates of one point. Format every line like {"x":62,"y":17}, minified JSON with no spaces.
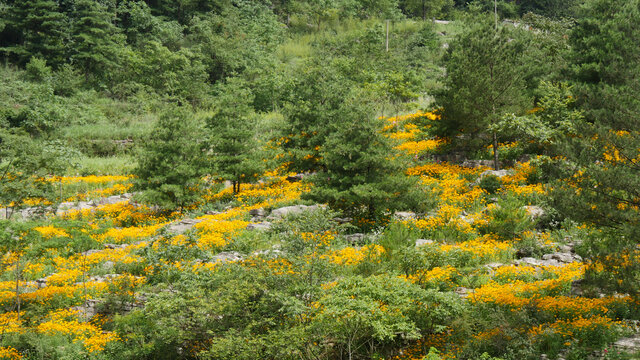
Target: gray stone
{"x":494,"y":265}
{"x":291,"y":210}
{"x":421,"y":242}
{"x":182,"y":226}
{"x":477,"y":163}
{"x":258,"y":212}
{"x":536,"y":262}
{"x":226,"y":256}
{"x":630,"y":344}
{"x":354,"y":238}
{"x":498,"y":173}
{"x":342,"y":220}
{"x":463,"y":292}
{"x":263,"y":226}
{"x":562,"y":257}
{"x":405,"y":215}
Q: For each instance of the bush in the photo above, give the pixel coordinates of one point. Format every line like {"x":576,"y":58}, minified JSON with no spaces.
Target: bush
{"x":490,"y":183}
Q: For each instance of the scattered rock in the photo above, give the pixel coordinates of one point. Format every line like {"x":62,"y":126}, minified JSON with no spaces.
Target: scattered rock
{"x":295,"y":178}
{"x":498,"y":173}
{"x":405,"y":215}
{"x":463,"y":292}
{"x":90,"y":252}
{"x":354,"y":238}
{"x":534,"y":212}
{"x":536,"y":262}
{"x":562,"y":257}
{"x":258,"y":212}
{"x":494,"y":265}
{"x":630,"y":344}
{"x":263,"y":226}
{"x":226,"y":256}
{"x":477,"y":163}
{"x":182,"y":226}
{"x":115,"y":246}
{"x":108,"y":265}
{"x":421,"y":242}
{"x":341,"y":221}
{"x":291,"y":210}
{"x":566,"y":248}
{"x":212,"y":212}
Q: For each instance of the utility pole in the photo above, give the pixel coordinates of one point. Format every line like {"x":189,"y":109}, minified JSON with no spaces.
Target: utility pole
{"x":387,"y":41}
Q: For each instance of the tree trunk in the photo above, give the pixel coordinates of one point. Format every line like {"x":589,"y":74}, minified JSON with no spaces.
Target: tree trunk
{"x":496,"y":164}
{"x":18,"y":286}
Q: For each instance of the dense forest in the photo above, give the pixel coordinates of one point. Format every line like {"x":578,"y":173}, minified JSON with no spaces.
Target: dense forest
{"x":320,"y":179}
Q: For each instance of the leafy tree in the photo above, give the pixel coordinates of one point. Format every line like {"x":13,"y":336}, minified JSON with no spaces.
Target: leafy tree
{"x":171,"y":162}
{"x":24,"y":164}
{"x":426,"y":8}
{"x":601,"y":171}
{"x":359,"y":175}
{"x":484,"y":81}
{"x":235,"y":153}
{"x":366,"y":316}
{"x":553,"y":119}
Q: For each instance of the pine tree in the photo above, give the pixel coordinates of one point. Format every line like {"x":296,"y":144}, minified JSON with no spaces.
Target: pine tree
{"x":601,"y":172}
{"x":361,"y":175}
{"x":235,"y":153}
{"x":95,"y":41}
{"x":171,"y":163}
{"x":485,"y":80}
{"x":42,"y":28}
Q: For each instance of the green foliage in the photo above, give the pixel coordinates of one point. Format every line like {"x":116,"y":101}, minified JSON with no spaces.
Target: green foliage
{"x":379,"y":310}
{"x":171,"y":164}
{"x":358,"y":177}
{"x":485,"y":79}
{"x":235,"y":153}
{"x":601,"y":157}
{"x":95,"y":40}
{"x":490,"y":183}
{"x":37,"y":70}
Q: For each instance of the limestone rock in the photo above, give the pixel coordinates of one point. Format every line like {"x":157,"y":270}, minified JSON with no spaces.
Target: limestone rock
{"x":182,"y":226}
{"x":291,"y":210}
{"x":263,"y":226}
{"x":422,"y":242}
{"x":405,"y":215}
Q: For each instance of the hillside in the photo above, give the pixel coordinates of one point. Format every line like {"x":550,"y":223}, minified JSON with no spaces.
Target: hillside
{"x":319,"y":180}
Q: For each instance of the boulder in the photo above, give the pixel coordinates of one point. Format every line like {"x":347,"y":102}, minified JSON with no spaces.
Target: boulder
{"x":498,"y":173}
{"x":182,"y":226}
{"x":263,"y":226}
{"x":405,"y":215}
{"x":630,"y":344}
{"x":422,"y":242}
{"x":260,"y":212}
{"x":291,"y":210}
{"x":562,"y":257}
{"x":477,"y":163}
{"x":529,"y":261}
{"x":354,"y":238}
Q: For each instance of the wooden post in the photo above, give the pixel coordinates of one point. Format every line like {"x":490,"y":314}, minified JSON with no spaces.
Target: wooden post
{"x":387,"y":41}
